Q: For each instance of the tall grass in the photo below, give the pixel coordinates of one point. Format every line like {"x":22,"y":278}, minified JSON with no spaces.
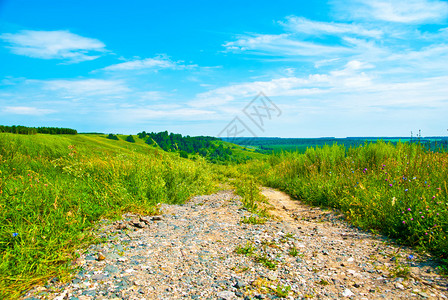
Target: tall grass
{"x":53,"y":189}
{"x":399,"y":190}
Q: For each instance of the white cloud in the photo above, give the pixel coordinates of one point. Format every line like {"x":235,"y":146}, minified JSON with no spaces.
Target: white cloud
{"x":27,"y":110}
{"x":162,"y":113}
{"x":411,"y":11}
{"x":159,"y":62}
{"x":87,"y":86}
{"x":283,"y":44}
{"x":303,"y":25}
{"x":151,"y":95}
{"x":287,"y":86}
{"x":53,"y":45}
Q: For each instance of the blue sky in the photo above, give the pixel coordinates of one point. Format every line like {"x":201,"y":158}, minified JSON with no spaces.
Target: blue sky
{"x":330,"y":68}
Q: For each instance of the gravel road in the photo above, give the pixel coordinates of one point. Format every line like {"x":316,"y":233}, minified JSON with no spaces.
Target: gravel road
{"x":190,"y":252}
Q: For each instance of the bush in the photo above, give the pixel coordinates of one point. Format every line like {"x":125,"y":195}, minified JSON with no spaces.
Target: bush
{"x":130,"y":139}
{"x":112,"y":137}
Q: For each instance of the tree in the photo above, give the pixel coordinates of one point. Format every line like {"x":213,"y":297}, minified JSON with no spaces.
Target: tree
{"x":130,"y":139}
{"x":183,"y":154}
{"x":112,"y":137}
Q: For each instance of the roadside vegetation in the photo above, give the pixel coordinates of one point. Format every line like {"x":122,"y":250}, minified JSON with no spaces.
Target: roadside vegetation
{"x":53,"y":188}
{"x":397,"y":190}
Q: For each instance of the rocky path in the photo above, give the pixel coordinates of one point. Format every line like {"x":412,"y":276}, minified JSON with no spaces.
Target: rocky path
{"x":202,"y":250}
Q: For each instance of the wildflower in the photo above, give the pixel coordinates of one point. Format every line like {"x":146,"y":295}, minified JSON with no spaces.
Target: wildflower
{"x":410,"y":256}
{"x":409,"y":209}
{"x":423,"y":217}
{"x":433,"y":197}
{"x":402,"y":212}
{"x":390,"y":184}
{"x":404,"y":222}
{"x":15,"y":234}
{"x":406,"y":190}
{"x":412,"y":219}
{"x":426,"y":233}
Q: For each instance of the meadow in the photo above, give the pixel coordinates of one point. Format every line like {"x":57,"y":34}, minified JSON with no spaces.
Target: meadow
{"x":53,"y":188}
{"x":396,"y":190}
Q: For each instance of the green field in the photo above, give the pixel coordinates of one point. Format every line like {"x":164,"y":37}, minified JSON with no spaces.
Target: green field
{"x":53,"y":188}
{"x":277,"y":145}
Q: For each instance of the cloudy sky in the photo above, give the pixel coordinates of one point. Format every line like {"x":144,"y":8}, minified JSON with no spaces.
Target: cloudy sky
{"x":329,"y":68}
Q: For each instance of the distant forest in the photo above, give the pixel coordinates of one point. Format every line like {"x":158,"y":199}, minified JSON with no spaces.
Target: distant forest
{"x":205,"y":146}
{"x":34,"y":130}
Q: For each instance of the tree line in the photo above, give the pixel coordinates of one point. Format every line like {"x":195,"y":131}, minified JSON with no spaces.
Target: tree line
{"x":34,"y":130}
{"x":206,"y":146}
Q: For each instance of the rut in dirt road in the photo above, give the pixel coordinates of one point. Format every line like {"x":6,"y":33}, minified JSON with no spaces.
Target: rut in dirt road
{"x":202,"y":250}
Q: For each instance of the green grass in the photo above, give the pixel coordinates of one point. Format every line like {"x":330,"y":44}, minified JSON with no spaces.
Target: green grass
{"x":266,"y":261}
{"x":249,"y":190}
{"x":54,"y":188}
{"x":281,"y":290}
{"x":398,"y":190}
{"x":248,"y":249}
{"x":293,"y":252}
{"x":253,"y":220}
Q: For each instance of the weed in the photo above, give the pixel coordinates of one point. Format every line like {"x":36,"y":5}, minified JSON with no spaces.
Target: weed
{"x":266,"y":261}
{"x":282,"y":290}
{"x":271,"y":244}
{"x":289,"y":235}
{"x":400,"y":270}
{"x":242,"y":270}
{"x":443,"y":269}
{"x":253,"y":220}
{"x":293,"y":252}
{"x":247,"y":250}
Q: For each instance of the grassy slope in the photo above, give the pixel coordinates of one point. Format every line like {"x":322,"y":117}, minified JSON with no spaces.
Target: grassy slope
{"x":53,"y":188}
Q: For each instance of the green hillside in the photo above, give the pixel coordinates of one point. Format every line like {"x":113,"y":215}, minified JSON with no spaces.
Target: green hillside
{"x":54,"y":187}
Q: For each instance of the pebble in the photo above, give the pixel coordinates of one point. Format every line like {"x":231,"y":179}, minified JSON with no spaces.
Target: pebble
{"x":226,"y":295}
{"x":348,"y":293}
{"x":399,"y":286}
